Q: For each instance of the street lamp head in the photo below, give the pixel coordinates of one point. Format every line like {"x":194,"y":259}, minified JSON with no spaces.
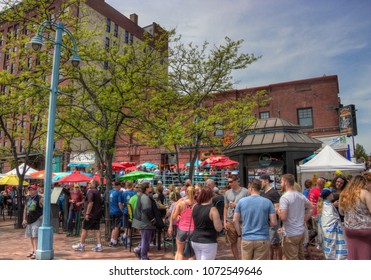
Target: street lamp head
{"x":75,"y":60}
{"x":36,"y":43}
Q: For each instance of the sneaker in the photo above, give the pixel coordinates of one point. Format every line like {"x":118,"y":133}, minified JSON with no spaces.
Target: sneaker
{"x":78,"y":247}
{"x":112,"y":244}
{"x":137,"y":253}
{"x":97,"y":249}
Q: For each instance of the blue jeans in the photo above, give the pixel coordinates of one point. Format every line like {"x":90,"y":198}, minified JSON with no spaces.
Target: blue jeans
{"x":72,"y":216}
{"x":147,"y":236}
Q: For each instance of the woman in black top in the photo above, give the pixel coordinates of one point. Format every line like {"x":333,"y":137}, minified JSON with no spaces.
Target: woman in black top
{"x":207,"y":225}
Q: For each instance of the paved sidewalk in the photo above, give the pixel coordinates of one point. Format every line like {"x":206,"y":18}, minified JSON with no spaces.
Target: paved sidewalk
{"x":14,"y":246}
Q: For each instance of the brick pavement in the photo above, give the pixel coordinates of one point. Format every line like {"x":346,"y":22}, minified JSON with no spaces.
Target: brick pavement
{"x":14,"y":246}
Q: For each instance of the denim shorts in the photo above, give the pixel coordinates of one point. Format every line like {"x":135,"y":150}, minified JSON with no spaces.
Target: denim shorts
{"x":181,"y":235}
{"x":32,"y":229}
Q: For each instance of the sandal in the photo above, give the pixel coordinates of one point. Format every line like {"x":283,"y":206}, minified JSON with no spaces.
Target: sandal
{"x":30,"y":254}
{"x":33,"y":256}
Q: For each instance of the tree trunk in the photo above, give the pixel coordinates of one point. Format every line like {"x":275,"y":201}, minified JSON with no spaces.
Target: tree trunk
{"x":20,"y":206}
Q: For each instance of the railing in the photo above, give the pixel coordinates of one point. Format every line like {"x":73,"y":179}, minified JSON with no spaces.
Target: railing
{"x":220,"y":178}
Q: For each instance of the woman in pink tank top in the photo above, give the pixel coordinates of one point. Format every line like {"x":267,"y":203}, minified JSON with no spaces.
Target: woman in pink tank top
{"x":182,"y":214}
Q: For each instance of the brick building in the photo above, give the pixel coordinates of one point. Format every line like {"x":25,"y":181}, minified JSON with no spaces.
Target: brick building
{"x":311,"y":103}
{"x":113,"y":26}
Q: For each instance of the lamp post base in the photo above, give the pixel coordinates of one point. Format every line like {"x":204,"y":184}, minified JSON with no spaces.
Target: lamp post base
{"x":45,"y":243}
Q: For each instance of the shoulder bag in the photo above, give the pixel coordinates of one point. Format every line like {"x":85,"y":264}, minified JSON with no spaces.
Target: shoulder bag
{"x":188,"y":251}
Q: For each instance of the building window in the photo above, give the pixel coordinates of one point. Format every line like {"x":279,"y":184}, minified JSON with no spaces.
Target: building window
{"x":108,"y":25}
{"x":264,"y":115}
{"x":126,"y":37}
{"x":29,"y":62}
{"x":131,"y":39}
{"x":107,"y":43}
{"x":219,"y":131}
{"x":305,"y":117}
{"x":116,"y":30}
{"x":7,"y":55}
{"x":21,"y":147}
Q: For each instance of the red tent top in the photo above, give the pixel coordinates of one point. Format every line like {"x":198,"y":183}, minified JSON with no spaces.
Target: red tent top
{"x":228,"y":162}
{"x":214,"y":159}
{"x":131,"y":168}
{"x":117,"y":166}
{"x":75,"y":177}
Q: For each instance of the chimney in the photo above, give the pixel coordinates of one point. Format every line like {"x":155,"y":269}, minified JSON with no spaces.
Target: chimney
{"x":134,"y":18}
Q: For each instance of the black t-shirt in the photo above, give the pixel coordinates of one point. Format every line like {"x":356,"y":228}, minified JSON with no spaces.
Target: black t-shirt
{"x":93,"y":195}
{"x":272,"y":195}
{"x":34,"y":209}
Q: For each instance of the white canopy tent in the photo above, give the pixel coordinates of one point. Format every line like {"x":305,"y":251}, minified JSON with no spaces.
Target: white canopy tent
{"x":21,"y":167}
{"x":325,"y":163}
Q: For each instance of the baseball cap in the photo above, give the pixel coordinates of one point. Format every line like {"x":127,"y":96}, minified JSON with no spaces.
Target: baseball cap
{"x":325,"y":193}
{"x":216,"y":189}
{"x":266,"y":177}
{"x":33,"y":187}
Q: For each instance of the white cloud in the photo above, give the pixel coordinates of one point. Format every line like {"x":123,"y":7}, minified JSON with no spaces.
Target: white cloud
{"x":297,"y":39}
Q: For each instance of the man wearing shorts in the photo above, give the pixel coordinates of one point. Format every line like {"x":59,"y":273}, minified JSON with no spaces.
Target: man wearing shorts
{"x":127,"y":195}
{"x":231,"y":197}
{"x":92,"y":215}
{"x":32,"y":218}
{"x":116,"y":208}
{"x":294,"y":210}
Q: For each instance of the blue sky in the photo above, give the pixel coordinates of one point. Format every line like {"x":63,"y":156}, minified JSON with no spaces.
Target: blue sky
{"x":297,"y":40}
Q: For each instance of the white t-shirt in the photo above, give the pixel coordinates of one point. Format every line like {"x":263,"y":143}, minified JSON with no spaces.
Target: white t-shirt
{"x":295,"y":203}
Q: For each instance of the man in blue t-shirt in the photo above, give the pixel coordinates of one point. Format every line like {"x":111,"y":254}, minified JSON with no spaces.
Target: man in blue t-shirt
{"x":127,"y":194}
{"x":116,"y":207}
{"x":257,"y":214}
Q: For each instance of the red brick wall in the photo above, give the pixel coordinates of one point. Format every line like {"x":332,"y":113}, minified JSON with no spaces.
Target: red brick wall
{"x":320,"y":94}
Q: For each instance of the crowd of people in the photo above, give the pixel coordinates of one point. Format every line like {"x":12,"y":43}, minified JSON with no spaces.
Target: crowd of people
{"x":258,"y":222}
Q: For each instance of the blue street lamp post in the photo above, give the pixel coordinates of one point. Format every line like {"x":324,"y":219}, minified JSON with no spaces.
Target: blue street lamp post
{"x":45,"y":235}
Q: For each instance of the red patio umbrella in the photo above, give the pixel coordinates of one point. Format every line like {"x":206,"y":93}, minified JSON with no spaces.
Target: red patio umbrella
{"x":117,"y":166}
{"x":75,"y":177}
{"x":228,"y":162}
{"x":213,"y":160}
{"x":131,"y":168}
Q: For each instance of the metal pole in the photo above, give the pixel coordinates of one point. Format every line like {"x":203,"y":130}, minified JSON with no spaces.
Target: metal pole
{"x":45,"y":235}
{"x":354,"y":148}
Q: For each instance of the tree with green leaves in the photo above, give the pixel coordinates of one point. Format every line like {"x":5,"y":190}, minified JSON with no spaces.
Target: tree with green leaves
{"x":108,"y":94}
{"x":361,"y":154}
{"x":186,"y":114}
{"x":22,"y":114}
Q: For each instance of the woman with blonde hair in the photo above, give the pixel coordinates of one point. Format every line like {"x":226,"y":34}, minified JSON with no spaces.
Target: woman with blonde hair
{"x":355,"y":205}
{"x":182,"y":214}
{"x":76,"y":201}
